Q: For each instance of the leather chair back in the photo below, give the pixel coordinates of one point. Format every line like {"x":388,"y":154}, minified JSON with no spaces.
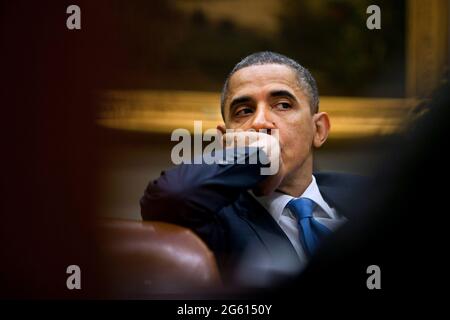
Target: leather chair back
{"x":144,"y":259}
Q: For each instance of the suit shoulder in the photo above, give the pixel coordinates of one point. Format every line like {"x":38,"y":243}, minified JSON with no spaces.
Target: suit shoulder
{"x":338,"y":179}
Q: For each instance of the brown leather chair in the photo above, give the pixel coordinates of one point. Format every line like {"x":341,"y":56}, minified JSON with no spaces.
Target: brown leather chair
{"x":147,"y":259}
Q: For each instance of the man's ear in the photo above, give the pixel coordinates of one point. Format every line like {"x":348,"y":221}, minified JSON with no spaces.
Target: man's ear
{"x":322,"y":128}
{"x":221,"y":128}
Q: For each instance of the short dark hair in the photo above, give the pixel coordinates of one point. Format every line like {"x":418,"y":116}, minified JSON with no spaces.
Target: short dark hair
{"x":305,"y":79}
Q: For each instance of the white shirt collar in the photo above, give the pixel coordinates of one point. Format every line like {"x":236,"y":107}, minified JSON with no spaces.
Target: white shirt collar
{"x":277,"y":201}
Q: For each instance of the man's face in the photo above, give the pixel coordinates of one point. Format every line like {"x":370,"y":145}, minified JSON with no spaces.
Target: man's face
{"x":269,"y":97}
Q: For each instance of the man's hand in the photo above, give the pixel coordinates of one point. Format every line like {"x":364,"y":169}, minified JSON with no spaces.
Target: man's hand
{"x":269,"y":144}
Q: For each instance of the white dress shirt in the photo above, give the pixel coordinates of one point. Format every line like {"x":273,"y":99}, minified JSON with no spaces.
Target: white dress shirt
{"x":276,"y":202}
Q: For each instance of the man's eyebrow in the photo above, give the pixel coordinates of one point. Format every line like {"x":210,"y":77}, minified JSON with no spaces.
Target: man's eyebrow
{"x":283,"y":93}
{"x":239,"y":100}
{"x":277,"y":93}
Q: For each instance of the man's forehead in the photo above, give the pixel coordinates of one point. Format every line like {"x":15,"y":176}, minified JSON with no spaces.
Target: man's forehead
{"x":259,"y":76}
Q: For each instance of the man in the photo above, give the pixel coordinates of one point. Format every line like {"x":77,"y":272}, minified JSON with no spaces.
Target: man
{"x":261,"y":228}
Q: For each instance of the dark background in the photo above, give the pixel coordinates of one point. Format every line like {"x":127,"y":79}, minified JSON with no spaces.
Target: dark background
{"x":171,"y":47}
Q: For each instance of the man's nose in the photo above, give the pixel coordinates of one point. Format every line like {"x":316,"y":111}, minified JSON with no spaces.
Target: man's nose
{"x":262,"y":119}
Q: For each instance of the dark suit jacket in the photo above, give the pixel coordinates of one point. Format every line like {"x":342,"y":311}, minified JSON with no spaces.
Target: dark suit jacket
{"x":250,"y":247}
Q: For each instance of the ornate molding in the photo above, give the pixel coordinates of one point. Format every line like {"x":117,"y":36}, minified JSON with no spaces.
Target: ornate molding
{"x":164,"y":111}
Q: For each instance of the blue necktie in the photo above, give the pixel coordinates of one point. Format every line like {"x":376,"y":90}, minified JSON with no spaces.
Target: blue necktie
{"x":311,"y":231}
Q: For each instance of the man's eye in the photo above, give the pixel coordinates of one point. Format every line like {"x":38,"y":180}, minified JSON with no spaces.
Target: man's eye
{"x":283,"y":106}
{"x":243,"y":111}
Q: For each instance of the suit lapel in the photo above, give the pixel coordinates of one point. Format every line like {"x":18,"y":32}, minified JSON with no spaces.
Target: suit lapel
{"x":338,"y":197}
{"x":277,"y":244}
